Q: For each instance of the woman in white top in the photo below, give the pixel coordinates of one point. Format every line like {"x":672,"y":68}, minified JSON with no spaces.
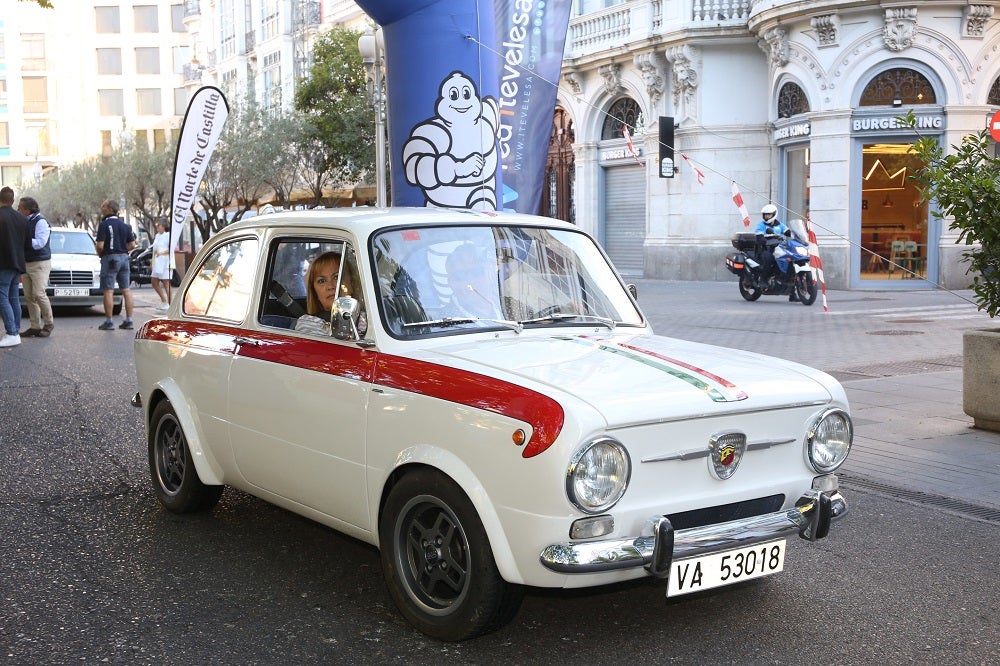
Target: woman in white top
{"x":160,"y":274}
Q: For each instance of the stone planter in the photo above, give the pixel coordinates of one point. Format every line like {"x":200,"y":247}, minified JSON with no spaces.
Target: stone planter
{"x":981,"y":377}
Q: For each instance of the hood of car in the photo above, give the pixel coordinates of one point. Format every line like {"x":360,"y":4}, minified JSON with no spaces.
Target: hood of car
{"x":631,"y":379}
{"x":75,"y":262}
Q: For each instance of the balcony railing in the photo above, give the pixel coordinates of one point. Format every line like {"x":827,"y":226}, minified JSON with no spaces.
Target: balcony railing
{"x":715,"y":11}
{"x":624,"y":23}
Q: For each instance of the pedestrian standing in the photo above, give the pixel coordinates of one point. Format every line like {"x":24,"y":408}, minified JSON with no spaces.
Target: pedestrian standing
{"x":38,"y":264}
{"x":114,"y":240}
{"x":160,"y":269}
{"x":13,"y":238}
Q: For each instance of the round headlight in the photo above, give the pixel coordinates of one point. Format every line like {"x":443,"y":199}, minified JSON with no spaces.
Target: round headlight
{"x":829,"y":441}
{"x":598,"y":475}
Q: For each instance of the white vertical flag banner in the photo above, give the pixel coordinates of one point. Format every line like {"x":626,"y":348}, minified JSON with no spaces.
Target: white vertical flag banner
{"x":206,"y":114}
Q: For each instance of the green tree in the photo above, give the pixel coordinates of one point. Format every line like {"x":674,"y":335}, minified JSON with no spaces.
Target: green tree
{"x":252,"y":164}
{"x":338,"y":147}
{"x":965,"y":184}
{"x":145,"y":181}
{"x":46,"y":4}
{"x":72,"y":195}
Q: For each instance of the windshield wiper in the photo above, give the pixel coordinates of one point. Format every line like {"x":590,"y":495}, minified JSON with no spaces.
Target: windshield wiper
{"x":564,"y":316}
{"x":453,"y":321}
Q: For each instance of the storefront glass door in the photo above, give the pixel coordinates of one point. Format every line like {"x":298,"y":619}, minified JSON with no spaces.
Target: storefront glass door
{"x":895,"y":243}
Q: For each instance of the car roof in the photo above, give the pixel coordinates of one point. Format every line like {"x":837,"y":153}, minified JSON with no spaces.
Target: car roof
{"x":364,"y":220}
{"x":72,"y":230}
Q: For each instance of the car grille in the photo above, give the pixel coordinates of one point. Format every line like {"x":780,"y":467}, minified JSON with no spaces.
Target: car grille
{"x":725,"y":512}
{"x":71,"y":278}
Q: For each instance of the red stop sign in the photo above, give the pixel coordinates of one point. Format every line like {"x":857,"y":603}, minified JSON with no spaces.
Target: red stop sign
{"x":995,"y":126}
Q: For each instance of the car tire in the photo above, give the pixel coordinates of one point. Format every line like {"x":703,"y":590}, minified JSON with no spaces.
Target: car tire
{"x":437,"y":560}
{"x":175,"y":479}
{"x":116,"y":309}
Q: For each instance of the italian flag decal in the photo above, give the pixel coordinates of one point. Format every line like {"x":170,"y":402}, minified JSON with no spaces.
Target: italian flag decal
{"x":715,"y":387}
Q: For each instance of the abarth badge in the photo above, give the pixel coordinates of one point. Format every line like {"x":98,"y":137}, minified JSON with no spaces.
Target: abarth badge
{"x":725,"y":453}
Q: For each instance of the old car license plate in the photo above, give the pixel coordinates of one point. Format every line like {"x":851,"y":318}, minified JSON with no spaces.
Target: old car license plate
{"x":71,"y":291}
{"x":732,"y":566}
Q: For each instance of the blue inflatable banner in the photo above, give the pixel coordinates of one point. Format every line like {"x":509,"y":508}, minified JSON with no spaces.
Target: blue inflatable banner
{"x":531,"y":36}
{"x":471,"y":87}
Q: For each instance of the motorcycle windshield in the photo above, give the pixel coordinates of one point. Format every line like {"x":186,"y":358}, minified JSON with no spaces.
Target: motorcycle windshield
{"x":798,"y":227}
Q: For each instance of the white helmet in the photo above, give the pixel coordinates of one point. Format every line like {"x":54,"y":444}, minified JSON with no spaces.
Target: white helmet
{"x":768,"y":209}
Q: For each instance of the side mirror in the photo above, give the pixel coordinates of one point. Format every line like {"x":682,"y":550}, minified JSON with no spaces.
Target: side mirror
{"x":632,"y":290}
{"x":345,"y":311}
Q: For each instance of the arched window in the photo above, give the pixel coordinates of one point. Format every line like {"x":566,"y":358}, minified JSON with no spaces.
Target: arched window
{"x":993,"y":99}
{"x":898,"y":86}
{"x":624,"y":111}
{"x":792,"y":101}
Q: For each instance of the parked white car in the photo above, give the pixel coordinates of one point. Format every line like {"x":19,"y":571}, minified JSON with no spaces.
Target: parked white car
{"x":487,"y":404}
{"x":75,"y":278}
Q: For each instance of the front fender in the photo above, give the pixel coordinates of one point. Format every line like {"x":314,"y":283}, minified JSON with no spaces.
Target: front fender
{"x":209,"y":470}
{"x":453,"y":466}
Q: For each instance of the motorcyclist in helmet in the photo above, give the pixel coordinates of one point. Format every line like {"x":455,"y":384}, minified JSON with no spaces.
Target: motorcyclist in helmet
{"x":770,"y":224}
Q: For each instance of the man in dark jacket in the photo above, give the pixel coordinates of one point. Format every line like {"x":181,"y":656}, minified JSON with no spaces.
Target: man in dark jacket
{"x":13,"y":236}
{"x":38,"y":264}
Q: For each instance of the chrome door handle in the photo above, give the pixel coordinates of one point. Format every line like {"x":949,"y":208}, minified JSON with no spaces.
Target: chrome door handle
{"x":240,"y":340}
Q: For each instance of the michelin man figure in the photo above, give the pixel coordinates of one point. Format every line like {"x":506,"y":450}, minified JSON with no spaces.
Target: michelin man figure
{"x":453,"y":156}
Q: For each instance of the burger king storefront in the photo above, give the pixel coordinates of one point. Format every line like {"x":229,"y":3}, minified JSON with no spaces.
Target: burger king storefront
{"x":887,"y":238}
{"x":897,"y":237}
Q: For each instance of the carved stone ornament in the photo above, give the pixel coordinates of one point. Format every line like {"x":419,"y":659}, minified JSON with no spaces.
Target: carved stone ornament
{"x":575,"y":84}
{"x":826,"y":28}
{"x":900,"y":27}
{"x":650,"y":69}
{"x":612,"y":75}
{"x":776,"y":47}
{"x":684,"y":80}
{"x":976,"y":17}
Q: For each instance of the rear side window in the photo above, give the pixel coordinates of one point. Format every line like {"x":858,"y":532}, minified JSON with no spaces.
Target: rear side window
{"x":224,"y":282}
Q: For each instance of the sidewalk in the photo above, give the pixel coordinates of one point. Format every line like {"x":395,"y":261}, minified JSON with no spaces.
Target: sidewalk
{"x":911,"y":434}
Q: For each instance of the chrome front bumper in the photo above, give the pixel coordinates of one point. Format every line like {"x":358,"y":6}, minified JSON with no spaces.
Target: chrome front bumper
{"x":810,"y":517}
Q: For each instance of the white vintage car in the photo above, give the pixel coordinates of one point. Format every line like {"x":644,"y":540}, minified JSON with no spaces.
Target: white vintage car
{"x":479,"y":396}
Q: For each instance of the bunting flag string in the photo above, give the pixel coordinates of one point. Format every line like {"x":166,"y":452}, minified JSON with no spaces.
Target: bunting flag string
{"x":738,"y":200}
{"x":815,"y":262}
{"x":631,"y":148}
{"x":697,"y":172}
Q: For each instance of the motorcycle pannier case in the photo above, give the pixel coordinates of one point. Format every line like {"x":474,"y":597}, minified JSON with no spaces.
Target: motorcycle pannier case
{"x":744,"y":242}
{"x":735,"y":262}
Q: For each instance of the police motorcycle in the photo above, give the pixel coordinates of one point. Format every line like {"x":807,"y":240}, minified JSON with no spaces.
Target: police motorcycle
{"x":774,"y":264}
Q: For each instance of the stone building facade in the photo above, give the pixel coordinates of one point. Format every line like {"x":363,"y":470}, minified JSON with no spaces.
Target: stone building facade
{"x":796,"y":103}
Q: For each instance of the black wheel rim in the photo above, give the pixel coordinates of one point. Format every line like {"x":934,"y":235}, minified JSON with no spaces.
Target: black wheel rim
{"x":805,"y":288}
{"x":432,"y":553}
{"x":171,"y":455}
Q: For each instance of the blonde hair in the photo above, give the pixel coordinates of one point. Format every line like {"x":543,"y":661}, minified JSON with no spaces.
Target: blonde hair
{"x":313,"y":304}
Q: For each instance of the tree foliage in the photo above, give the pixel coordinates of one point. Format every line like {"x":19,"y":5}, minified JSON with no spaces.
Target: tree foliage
{"x":965,"y":184}
{"x":338,"y":150}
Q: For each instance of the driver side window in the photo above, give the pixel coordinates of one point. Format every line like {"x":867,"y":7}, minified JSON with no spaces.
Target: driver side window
{"x":305,"y":277}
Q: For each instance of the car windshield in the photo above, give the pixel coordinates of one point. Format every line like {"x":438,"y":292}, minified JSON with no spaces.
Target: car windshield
{"x":63,"y":242}
{"x":450,"y":279}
